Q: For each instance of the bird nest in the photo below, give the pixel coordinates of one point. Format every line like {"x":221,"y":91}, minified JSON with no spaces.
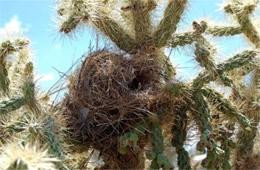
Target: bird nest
{"x":109,"y":94}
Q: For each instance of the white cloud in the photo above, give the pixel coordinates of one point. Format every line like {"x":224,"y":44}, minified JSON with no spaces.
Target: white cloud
{"x":13,"y":28}
{"x":45,"y":77}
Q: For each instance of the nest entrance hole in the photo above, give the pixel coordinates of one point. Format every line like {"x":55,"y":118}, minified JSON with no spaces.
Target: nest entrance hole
{"x":139,"y":82}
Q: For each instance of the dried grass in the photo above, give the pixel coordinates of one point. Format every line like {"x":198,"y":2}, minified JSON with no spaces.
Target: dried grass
{"x":108,"y":95}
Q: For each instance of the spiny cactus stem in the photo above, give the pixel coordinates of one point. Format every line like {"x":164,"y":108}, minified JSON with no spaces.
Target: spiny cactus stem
{"x":131,"y":138}
{"x":203,"y":116}
{"x":246,"y":140}
{"x":242,"y":15}
{"x":178,"y":90}
{"x":159,"y":160}
{"x":70,"y":24}
{"x":142,"y":22}
{"x":168,"y":23}
{"x":18,"y":165}
{"x":227,"y":145}
{"x":12,"y":104}
{"x":183,"y":39}
{"x":245,"y":144}
{"x":238,"y":61}
{"x":103,"y":22}
{"x":55,"y":147}
{"x":179,"y":132}
{"x":203,"y":52}
{"x":256,"y":80}
{"x":221,"y":135}
{"x":224,"y":106}
{"x":45,"y":131}
{"x":169,"y":70}
{"x":223,"y":30}
{"x":4,"y":80}
{"x":116,"y":34}
{"x":203,"y":120}
{"x":28,"y":90}
{"x":7,"y":48}
{"x":226,"y":164}
{"x":250,"y":31}
{"x":203,"y":56}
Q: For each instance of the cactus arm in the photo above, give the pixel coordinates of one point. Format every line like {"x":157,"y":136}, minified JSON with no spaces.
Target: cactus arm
{"x":55,"y":147}
{"x":18,"y":165}
{"x":181,"y":39}
{"x":202,"y":118}
{"x":84,"y":12}
{"x":246,"y":143}
{"x":12,"y":104}
{"x":224,"y":106}
{"x":204,"y":52}
{"x":187,"y":38}
{"x":251,"y":109}
{"x":179,"y":132}
{"x":7,"y":48}
{"x":223,"y":30}
{"x":113,"y":30}
{"x":4,"y":80}
{"x":238,"y":61}
{"x":142,"y":21}
{"x":17,"y":73}
{"x":204,"y":55}
{"x":28,"y":99}
{"x":159,"y":160}
{"x":168,"y":23}
{"x":241,"y":13}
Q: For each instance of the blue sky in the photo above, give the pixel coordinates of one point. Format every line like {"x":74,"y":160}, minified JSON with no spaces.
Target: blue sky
{"x":54,"y":51}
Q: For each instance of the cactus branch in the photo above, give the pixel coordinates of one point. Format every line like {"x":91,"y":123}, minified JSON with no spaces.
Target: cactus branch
{"x":214,"y":153}
{"x":12,"y":104}
{"x":238,"y":61}
{"x":241,"y":13}
{"x":224,"y":106}
{"x":159,"y":160}
{"x":7,"y":48}
{"x":113,"y":30}
{"x":86,"y":11}
{"x":181,"y":39}
{"x":179,"y":132}
{"x":142,"y":21}
{"x":168,"y":24}
{"x":223,"y":30}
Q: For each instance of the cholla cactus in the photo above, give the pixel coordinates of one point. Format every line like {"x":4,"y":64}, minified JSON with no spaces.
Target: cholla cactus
{"x":107,"y":86}
{"x":16,"y":156}
{"x":28,"y":126}
{"x":124,"y":106}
